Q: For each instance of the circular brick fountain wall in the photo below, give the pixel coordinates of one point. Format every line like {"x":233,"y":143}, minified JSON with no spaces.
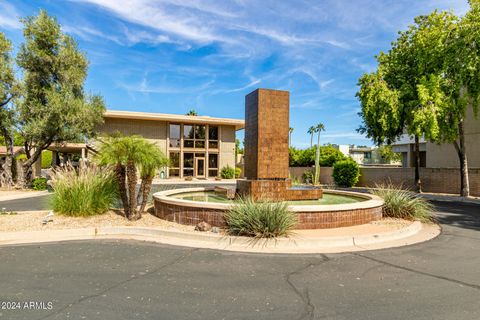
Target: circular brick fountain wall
{"x":309,"y":216}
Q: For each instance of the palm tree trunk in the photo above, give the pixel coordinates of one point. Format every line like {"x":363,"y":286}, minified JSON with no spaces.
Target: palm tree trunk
{"x":132,"y":186}
{"x":317,"y":162}
{"x":418,"y":182}
{"x":146,"y":191}
{"x":462,"y":156}
{"x":311,"y":140}
{"x":120,"y":176}
{"x":140,"y":190}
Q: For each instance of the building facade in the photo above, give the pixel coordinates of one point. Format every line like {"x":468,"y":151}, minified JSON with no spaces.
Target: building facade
{"x":433,"y":155}
{"x":197,"y":146}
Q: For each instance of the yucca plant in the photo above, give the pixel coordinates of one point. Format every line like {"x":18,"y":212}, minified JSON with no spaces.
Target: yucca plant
{"x":404,"y":204}
{"x":260,"y":219}
{"x":88,"y":191}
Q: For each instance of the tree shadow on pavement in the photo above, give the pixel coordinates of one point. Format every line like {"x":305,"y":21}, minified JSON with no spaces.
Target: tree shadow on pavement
{"x":458,"y":214}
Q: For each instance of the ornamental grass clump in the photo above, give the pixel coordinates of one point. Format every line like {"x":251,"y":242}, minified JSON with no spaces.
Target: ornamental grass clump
{"x":404,"y":204}
{"x":260,"y":219}
{"x":83,"y":192}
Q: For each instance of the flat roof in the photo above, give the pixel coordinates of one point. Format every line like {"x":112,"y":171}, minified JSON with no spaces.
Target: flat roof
{"x":16,"y":150}
{"x":116,"y":114}
{"x":67,"y":147}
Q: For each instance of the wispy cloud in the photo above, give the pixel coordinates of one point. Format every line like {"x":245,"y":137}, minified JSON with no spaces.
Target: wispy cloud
{"x":153,"y":54}
{"x":144,"y":86}
{"x":9,"y":17}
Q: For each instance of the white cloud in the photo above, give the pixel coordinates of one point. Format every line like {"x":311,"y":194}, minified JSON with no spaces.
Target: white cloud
{"x":9,"y":18}
{"x":165,"y":88}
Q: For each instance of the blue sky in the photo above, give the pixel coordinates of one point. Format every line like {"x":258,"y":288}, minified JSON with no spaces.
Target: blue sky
{"x":174,"y":55}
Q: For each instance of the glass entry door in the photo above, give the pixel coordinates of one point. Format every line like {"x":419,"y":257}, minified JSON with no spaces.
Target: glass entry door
{"x":200,"y":167}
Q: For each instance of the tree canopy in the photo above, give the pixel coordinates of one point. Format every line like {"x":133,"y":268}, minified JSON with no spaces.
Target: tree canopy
{"x":52,"y":105}
{"x":426,"y":82}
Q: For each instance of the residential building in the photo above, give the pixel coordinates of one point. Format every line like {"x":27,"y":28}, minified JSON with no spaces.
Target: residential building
{"x":433,"y":155}
{"x":361,"y":154}
{"x":197,"y":146}
{"x":16,"y":152}
{"x":405,"y":145}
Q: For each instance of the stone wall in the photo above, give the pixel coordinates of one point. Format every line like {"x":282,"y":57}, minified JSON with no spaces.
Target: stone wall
{"x":436,"y":180}
{"x":296,"y":174}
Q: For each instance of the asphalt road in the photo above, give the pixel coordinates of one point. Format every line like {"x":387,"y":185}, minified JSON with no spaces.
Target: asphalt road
{"x":439,"y":279}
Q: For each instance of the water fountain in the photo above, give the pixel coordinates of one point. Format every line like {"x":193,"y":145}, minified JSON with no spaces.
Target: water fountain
{"x":266,"y":172}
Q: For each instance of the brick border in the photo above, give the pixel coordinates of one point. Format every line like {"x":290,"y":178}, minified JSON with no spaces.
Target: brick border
{"x":309,"y":217}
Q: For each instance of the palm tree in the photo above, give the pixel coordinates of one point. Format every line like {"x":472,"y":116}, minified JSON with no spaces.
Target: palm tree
{"x":127,"y":155}
{"x":318,"y":129}
{"x":311,"y":131}
{"x":148,"y":168}
{"x":290,"y":131}
{"x":192,"y":112}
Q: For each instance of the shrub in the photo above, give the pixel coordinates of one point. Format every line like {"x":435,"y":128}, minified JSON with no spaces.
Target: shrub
{"x":404,"y":204}
{"x":238,"y":172}
{"x":227,"y":172}
{"x":329,"y":156}
{"x":39,"y":184}
{"x":346,"y":173}
{"x":89,"y":191}
{"x":308,"y":176}
{"x":306,"y":158}
{"x":46,"y":159}
{"x":260,"y":219}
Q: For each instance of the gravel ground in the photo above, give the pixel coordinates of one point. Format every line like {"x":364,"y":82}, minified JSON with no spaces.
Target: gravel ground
{"x":33,"y":222}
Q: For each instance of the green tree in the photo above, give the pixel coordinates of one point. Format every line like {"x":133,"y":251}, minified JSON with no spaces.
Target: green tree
{"x":330,"y":155}
{"x":7,"y":80}
{"x":129,"y":155}
{"x":53,"y":106}
{"x":387,"y":154}
{"x":238,"y":148}
{"x":318,"y":129}
{"x":396,"y":99}
{"x":455,"y":88}
{"x":306,"y":157}
{"x":192,"y":112}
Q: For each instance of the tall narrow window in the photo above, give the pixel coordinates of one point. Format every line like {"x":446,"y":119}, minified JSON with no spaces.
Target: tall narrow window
{"x":174,"y":136}
{"x":188,"y":159}
{"x":213,"y":137}
{"x":174,"y":170}
{"x":188,"y":136}
{"x":199,"y":136}
{"x":213,"y":165}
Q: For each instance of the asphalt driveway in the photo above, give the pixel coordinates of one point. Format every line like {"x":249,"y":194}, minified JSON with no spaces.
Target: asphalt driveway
{"x":39,"y":203}
{"x":439,"y":279}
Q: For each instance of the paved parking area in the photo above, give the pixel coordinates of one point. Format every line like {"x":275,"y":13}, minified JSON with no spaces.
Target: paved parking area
{"x":439,"y":279}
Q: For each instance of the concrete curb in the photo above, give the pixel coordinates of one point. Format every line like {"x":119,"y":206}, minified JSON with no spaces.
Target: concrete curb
{"x":295,"y":244}
{"x":24,"y":195}
{"x":447,"y":198}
